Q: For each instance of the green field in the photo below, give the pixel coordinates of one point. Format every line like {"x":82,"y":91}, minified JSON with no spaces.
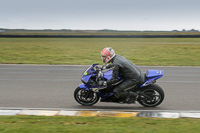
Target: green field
{"x":57,"y":124}
{"x":141,"y":51}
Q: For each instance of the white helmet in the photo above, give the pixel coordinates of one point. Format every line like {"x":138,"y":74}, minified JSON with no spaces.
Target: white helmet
{"x":107,"y":54}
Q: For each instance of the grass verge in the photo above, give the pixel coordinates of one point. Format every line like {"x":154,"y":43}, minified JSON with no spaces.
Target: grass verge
{"x":141,"y":51}
{"x":57,"y":124}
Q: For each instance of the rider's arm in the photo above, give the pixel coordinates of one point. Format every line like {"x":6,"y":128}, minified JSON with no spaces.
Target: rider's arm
{"x":115,"y":74}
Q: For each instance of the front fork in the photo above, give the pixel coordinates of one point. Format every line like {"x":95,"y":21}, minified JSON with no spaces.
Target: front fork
{"x":87,"y":88}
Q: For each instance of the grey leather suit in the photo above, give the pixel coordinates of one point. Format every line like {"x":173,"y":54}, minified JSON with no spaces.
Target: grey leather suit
{"x":129,"y":71}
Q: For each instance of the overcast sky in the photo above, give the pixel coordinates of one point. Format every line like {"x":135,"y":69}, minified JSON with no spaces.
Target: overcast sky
{"x":100,"y":14}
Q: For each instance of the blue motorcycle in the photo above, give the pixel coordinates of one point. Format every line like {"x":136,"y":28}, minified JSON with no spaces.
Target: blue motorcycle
{"x":89,"y":92}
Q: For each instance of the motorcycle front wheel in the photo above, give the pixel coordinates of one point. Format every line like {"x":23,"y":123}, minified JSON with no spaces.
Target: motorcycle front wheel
{"x":151,"y":96}
{"x":85,"y":97}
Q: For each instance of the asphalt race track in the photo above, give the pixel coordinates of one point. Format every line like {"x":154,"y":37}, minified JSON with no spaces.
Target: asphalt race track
{"x":52,"y":87}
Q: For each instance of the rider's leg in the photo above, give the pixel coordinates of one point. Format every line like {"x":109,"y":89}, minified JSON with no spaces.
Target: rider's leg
{"x":125,"y":96}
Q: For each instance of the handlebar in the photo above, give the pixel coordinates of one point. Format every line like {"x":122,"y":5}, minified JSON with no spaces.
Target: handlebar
{"x":98,"y":69}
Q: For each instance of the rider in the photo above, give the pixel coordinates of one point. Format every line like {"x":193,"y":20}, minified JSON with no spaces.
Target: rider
{"x":130,"y":72}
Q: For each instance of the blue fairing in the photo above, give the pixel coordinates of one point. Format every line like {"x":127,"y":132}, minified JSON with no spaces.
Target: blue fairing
{"x":154,"y":73}
{"x":108,"y":75}
{"x":84,"y":86}
{"x":86,"y":78}
{"x":88,"y":73}
{"x":152,"y":76}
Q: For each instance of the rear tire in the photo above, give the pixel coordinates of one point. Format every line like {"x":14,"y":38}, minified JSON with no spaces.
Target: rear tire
{"x":156,"y":94}
{"x":85,"y":97}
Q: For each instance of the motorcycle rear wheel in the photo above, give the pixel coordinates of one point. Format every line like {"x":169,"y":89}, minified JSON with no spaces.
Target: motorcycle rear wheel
{"x":155,"y":96}
{"x":85,"y":97}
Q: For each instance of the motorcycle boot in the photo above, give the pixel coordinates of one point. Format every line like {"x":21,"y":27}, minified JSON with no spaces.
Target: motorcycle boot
{"x":114,"y":99}
{"x":122,"y":96}
{"x":131,"y":98}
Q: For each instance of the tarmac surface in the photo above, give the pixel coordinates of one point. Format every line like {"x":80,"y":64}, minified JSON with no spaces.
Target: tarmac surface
{"x":52,"y":87}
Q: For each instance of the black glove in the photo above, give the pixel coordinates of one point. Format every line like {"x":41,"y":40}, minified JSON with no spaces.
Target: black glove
{"x":102,"y":83}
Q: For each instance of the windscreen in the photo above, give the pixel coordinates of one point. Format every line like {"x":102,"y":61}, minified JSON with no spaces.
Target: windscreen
{"x":89,"y":71}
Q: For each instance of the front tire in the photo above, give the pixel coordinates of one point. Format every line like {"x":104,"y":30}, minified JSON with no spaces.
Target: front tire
{"x":85,"y":97}
{"x":155,"y":96}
